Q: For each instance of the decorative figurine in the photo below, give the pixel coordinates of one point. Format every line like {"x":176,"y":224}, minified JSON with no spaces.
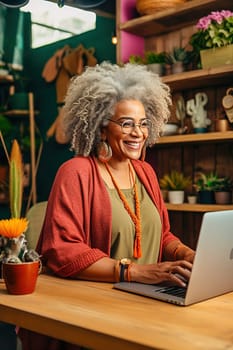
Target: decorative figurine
{"x":195,"y":108}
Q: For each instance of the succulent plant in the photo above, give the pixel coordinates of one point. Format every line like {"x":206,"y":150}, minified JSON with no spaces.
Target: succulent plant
{"x":174,"y":181}
{"x":179,"y":54}
{"x":136,"y":59}
{"x":205,"y":182}
{"x":154,"y":57}
{"x":223,"y":184}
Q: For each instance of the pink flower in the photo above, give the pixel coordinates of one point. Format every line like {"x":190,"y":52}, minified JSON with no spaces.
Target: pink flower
{"x":214,"y":30}
{"x":203,"y":23}
{"x":214,"y":16}
{"x":226,"y":13}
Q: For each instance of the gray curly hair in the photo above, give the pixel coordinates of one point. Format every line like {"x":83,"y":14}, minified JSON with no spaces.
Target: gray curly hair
{"x":92,"y":96}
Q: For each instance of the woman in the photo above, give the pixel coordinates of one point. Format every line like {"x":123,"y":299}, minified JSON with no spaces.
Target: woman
{"x":112,"y":114}
{"x":106,"y":219}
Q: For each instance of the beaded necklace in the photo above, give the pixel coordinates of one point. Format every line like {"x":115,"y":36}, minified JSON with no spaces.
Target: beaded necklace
{"x":136,"y":217}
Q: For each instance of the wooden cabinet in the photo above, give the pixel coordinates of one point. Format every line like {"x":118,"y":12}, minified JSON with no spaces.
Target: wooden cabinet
{"x":189,"y":153}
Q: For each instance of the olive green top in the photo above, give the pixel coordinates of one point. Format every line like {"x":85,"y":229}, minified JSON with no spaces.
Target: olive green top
{"x":123,"y":230}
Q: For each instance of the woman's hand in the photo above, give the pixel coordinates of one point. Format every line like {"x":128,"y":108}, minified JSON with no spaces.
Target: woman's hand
{"x":173,"y":272}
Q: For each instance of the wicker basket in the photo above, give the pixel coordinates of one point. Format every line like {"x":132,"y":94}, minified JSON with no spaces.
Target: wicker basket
{"x":148,"y":7}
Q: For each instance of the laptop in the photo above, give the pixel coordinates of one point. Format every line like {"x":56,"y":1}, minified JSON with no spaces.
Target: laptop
{"x":212,"y":272}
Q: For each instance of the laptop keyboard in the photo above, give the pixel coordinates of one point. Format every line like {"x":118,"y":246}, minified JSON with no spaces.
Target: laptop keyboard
{"x":176,"y":291}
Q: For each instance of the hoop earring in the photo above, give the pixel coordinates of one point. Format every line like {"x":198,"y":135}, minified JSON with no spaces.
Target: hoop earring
{"x":104,"y":152}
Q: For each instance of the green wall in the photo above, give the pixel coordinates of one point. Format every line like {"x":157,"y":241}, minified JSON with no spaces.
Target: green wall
{"x":55,"y":154}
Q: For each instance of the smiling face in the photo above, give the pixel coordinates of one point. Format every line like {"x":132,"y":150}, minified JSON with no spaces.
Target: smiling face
{"x":129,"y":144}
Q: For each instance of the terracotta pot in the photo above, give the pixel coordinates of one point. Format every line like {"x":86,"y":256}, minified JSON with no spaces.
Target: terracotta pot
{"x":20,"y":278}
{"x":223,"y":197}
{"x":222,"y":125}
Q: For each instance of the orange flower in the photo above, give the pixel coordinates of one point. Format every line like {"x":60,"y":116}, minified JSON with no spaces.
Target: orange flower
{"x":13,"y":228}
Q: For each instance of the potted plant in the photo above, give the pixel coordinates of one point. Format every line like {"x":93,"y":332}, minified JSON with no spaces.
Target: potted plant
{"x":155,"y":61}
{"x":136,"y":59}
{"x":20,"y":266}
{"x":177,"y":59}
{"x":175,"y":183}
{"x":223,"y":190}
{"x":213,"y":39}
{"x":205,"y":185}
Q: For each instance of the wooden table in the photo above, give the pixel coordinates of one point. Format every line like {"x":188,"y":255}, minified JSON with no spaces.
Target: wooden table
{"x":99,"y":317}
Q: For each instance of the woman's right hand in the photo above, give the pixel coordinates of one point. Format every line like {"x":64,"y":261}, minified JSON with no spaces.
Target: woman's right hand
{"x":171,"y":272}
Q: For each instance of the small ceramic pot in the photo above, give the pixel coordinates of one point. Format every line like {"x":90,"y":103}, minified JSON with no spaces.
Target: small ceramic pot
{"x":177,"y":67}
{"x":156,"y":68}
{"x":192,"y":199}
{"x":176,"y":197}
{"x":20,"y":278}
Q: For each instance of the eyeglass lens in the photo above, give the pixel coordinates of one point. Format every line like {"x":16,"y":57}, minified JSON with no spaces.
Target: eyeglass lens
{"x":129,"y":125}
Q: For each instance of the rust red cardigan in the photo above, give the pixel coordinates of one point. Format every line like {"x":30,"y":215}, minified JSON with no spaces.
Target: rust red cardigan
{"x":77,"y":226}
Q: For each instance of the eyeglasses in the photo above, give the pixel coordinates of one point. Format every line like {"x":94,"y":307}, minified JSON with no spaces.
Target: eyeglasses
{"x":128,"y":125}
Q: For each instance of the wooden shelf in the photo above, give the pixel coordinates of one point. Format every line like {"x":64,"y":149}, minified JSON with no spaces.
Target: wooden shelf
{"x":174,"y":18}
{"x":193,"y":138}
{"x":18,"y":113}
{"x":201,"y":208}
{"x":200,"y":78}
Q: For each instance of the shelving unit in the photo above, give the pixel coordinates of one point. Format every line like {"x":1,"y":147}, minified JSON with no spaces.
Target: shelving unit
{"x":187,"y":152}
{"x":30,"y":115}
{"x":182,"y":16}
{"x":142,"y":28}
